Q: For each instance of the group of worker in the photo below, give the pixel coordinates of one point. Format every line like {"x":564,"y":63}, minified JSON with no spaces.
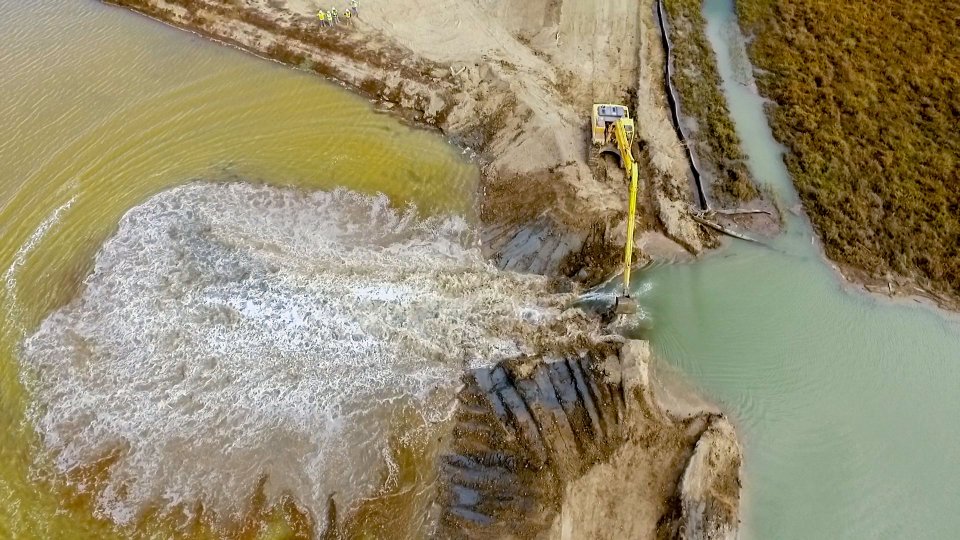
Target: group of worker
{"x":332,"y":17}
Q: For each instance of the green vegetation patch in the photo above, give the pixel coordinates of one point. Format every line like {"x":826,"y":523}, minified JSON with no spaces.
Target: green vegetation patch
{"x":868,"y":102}
{"x":696,"y":78}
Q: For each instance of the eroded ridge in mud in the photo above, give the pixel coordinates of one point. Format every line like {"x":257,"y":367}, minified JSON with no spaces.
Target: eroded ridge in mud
{"x":577,"y":446}
{"x":234,"y":332}
{"x":521,"y":433}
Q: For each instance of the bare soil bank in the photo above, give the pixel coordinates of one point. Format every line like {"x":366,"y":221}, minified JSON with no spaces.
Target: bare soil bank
{"x":867,"y":102}
{"x":514,"y":81}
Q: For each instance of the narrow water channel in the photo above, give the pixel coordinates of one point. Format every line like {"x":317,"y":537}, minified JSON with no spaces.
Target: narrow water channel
{"x":847,"y":403}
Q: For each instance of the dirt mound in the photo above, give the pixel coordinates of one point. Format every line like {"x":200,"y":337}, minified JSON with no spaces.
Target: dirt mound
{"x":574,"y":446}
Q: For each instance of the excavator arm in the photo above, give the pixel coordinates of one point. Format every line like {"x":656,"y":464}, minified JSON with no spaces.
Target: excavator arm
{"x":623,"y":136}
{"x":623,"y":133}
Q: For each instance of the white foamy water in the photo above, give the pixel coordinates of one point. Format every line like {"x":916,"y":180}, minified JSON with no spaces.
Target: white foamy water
{"x":231,"y":331}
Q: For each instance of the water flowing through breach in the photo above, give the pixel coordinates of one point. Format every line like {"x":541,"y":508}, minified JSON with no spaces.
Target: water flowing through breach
{"x":232,"y":331}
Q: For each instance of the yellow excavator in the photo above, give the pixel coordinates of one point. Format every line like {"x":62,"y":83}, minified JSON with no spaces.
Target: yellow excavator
{"x":613,"y":131}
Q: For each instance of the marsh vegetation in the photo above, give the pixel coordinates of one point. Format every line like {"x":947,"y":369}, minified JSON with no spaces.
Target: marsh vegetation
{"x":867,"y":100}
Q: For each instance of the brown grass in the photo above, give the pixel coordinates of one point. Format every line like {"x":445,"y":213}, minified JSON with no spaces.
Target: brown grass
{"x":868,"y":98}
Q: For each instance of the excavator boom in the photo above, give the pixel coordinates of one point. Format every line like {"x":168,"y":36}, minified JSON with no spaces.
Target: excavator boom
{"x":626,"y":305}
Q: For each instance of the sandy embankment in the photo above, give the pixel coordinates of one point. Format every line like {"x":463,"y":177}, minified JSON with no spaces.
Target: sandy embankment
{"x":514,"y":81}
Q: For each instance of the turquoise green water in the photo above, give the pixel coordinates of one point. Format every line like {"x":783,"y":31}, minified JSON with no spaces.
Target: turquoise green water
{"x":847,"y":404}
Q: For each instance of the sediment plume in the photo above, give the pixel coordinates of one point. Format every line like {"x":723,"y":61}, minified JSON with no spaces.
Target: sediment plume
{"x":230,"y":332}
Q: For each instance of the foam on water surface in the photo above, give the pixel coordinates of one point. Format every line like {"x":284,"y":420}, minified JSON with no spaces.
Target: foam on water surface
{"x":234,"y":331}
{"x":10,"y":276}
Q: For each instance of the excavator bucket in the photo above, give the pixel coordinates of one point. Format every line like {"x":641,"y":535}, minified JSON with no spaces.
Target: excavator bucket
{"x":625,"y":305}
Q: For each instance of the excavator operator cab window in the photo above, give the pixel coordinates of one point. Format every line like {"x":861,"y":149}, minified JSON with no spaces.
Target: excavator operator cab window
{"x":612,"y":110}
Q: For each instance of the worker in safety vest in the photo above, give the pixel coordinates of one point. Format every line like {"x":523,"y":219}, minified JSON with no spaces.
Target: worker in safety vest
{"x":346,"y":15}
{"x":323,"y":17}
{"x":329,"y":18}
{"x":354,"y":4}
{"x":336,"y":18}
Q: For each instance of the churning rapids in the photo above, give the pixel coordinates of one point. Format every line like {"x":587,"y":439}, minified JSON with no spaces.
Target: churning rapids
{"x":234,"y":332}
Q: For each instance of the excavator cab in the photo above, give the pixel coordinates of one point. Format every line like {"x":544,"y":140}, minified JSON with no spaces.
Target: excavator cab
{"x":613,"y":131}
{"x":604,"y":117}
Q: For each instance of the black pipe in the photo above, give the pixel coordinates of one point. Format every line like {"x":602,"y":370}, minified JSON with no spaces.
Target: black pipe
{"x":675,"y":108}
